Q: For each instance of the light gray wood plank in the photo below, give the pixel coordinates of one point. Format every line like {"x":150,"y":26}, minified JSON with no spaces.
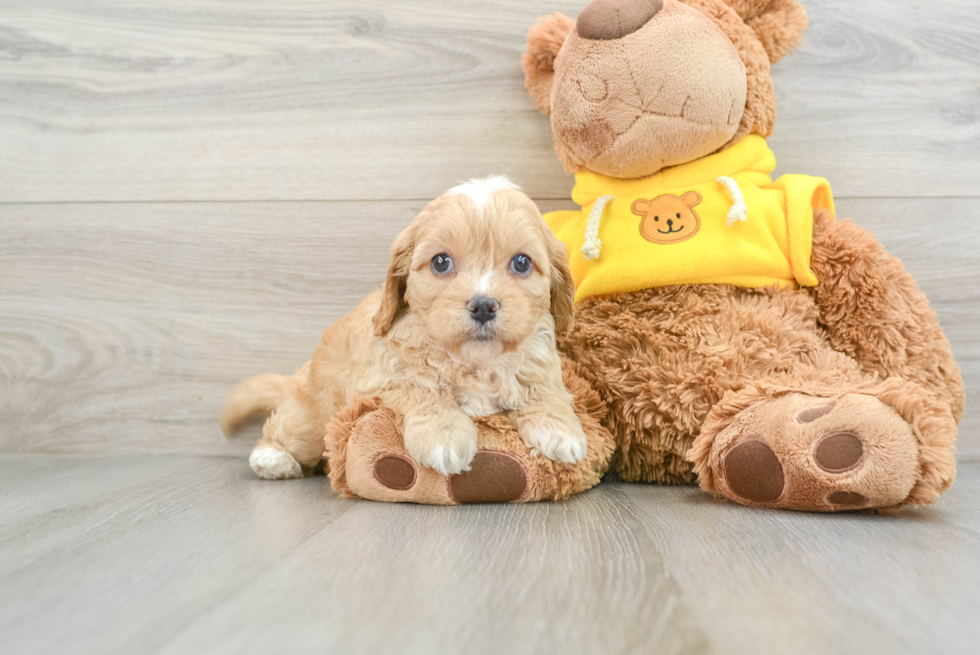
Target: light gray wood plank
{"x":202,"y":557}
{"x":383,"y":99}
{"x":810,"y":583}
{"x":123,"y":326}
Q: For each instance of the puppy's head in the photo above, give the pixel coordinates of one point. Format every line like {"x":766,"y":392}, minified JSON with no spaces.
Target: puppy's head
{"x":478,"y":264}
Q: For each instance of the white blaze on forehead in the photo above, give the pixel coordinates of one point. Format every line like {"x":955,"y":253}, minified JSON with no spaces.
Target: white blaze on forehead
{"x":484,"y":284}
{"x":481,"y":190}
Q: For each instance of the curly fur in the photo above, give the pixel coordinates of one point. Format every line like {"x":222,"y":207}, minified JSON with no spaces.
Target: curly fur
{"x":417,"y":344}
{"x":778,"y":24}
{"x":338,"y":436}
{"x":368,"y":424}
{"x":873,"y":311}
{"x":677,"y":364}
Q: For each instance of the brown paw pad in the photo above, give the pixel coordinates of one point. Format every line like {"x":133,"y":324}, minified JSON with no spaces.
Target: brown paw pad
{"x":847,"y":499}
{"x":839,"y":452}
{"x":493,"y":478}
{"x":753,"y":472}
{"x":395,"y":472}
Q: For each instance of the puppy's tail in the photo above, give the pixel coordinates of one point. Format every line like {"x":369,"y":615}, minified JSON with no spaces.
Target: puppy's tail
{"x":259,"y":395}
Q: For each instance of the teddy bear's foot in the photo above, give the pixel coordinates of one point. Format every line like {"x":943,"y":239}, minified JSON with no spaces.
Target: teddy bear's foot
{"x":377,"y":466}
{"x":366,"y":458}
{"x":494,"y":477}
{"x":818,"y":454}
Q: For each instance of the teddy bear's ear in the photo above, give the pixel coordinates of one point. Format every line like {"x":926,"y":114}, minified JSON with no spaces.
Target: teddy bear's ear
{"x":640,"y":207}
{"x":543,"y":43}
{"x":779,"y":24}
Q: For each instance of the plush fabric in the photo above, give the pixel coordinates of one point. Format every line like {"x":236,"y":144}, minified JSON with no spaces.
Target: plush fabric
{"x":612,"y":99}
{"x":770,"y":246}
{"x":778,"y":24}
{"x":613,"y":19}
{"x":679,"y":364}
{"x":840,"y":395}
{"x":543,"y":43}
{"x":366,"y":458}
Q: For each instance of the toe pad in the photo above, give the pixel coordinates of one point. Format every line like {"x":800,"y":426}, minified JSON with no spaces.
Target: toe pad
{"x":839,"y":452}
{"x":493,"y":478}
{"x":395,"y":472}
{"x":753,"y":471}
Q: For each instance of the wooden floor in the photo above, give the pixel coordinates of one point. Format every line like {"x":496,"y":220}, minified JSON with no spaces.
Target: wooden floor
{"x":190,"y":192}
{"x":182,"y":554}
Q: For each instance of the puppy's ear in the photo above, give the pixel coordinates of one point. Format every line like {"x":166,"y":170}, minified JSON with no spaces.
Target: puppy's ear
{"x":562,"y":285}
{"x":543,"y":43}
{"x":779,"y":24}
{"x":393,"y":296}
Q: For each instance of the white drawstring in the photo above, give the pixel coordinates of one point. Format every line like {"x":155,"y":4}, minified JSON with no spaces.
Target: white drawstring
{"x":592,"y":242}
{"x":738,"y":210}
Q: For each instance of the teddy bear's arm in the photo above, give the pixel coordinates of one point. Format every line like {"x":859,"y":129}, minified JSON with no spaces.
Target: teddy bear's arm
{"x":874,"y":311}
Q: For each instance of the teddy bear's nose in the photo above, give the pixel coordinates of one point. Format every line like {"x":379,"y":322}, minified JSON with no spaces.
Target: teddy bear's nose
{"x":605,"y":20}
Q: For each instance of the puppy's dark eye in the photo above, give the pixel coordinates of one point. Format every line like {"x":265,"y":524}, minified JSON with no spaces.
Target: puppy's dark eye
{"x":442,"y":264}
{"x":521,"y":264}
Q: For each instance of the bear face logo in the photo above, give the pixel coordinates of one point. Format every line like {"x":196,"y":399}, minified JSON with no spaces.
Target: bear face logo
{"x":668,"y":219}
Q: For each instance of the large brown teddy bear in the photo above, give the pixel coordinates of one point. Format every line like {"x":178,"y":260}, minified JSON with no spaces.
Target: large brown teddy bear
{"x":732,"y":331}
{"x":754,"y":343}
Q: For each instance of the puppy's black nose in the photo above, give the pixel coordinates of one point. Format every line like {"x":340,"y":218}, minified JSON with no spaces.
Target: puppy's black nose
{"x":482,"y":309}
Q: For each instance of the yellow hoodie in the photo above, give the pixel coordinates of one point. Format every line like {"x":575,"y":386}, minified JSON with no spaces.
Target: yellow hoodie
{"x":717,"y":220}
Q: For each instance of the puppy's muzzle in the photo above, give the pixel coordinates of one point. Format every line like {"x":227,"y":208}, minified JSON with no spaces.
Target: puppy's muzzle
{"x":483,"y":309}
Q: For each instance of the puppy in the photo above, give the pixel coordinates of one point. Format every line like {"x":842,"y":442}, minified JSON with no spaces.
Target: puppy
{"x":464,"y":326}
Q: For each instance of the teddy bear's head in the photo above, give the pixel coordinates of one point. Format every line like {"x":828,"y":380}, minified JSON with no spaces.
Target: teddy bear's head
{"x":635,"y":86}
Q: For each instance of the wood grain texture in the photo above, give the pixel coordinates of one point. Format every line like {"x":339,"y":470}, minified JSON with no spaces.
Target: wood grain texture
{"x":386,"y":99}
{"x":123,"y":326}
{"x":195,"y":555}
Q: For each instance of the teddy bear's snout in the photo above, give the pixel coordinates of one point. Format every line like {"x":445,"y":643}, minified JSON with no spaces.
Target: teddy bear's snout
{"x":606,"y":20}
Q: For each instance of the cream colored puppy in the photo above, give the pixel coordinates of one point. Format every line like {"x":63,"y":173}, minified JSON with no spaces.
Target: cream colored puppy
{"x":464,"y":326}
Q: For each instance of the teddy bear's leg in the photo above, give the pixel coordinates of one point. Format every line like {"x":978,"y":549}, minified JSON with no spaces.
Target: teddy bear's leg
{"x":662,"y":358}
{"x":825,"y":444}
{"x":367,"y":457}
{"x":874,"y":311}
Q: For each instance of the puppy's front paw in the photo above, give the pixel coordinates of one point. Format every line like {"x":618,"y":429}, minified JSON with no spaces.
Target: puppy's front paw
{"x":556,"y":437}
{"x":444,"y":442}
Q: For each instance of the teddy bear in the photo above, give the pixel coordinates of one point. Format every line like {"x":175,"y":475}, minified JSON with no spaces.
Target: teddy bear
{"x":741,"y":335}
{"x":729,"y":330}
